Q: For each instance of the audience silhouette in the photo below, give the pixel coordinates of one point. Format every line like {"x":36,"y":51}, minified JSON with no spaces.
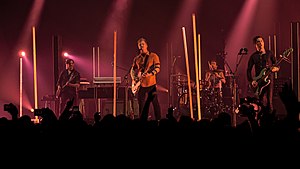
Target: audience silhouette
{"x":71,"y":128}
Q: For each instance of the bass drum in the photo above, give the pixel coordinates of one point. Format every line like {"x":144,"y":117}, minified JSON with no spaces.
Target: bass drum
{"x":183,"y":105}
{"x":211,"y":102}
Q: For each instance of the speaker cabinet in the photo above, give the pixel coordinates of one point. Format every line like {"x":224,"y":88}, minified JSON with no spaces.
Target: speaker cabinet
{"x":279,"y":107}
{"x":107,"y":107}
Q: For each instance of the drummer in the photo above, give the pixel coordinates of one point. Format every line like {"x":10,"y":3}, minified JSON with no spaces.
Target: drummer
{"x":214,"y":77}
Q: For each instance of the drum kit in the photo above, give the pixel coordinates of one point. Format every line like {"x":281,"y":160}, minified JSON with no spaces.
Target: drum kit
{"x":210,"y":98}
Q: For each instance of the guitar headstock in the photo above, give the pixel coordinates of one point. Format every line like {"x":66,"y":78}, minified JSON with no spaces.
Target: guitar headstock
{"x":287,"y":52}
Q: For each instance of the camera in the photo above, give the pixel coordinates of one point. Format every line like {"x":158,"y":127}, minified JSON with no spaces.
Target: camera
{"x":249,"y":106}
{"x":7,"y":107}
{"x":38,"y":112}
{"x":248,"y":100}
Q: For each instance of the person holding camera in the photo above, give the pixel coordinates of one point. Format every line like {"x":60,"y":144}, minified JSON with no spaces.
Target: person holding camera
{"x":67,"y":85}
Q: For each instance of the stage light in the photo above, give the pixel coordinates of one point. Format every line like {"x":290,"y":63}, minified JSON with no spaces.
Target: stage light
{"x":65,"y":54}
{"x":22,"y":53}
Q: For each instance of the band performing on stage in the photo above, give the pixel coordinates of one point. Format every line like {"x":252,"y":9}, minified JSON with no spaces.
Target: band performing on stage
{"x":161,"y":76}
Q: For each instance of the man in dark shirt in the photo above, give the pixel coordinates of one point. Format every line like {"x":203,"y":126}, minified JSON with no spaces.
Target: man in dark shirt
{"x":67,"y":85}
{"x":262,"y":60}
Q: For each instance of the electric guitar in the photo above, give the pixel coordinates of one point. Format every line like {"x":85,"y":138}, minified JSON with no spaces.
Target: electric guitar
{"x":59,"y":89}
{"x":137,"y":83}
{"x":263,"y":79}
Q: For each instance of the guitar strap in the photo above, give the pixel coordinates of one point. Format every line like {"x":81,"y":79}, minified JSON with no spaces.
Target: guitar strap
{"x":71,"y":75}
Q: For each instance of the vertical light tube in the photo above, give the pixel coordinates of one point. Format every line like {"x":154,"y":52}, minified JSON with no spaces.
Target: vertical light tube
{"x":188,"y":71}
{"x":34,"y":73}
{"x":269,"y":42}
{"x":94,"y":70}
{"x":21,"y":87}
{"x":199,"y":56}
{"x":199,"y":73}
{"x":196,"y":65}
{"x":98,"y":65}
{"x":275,"y":53}
{"x":98,"y":75}
{"x":115,"y":74}
{"x":275,"y":45}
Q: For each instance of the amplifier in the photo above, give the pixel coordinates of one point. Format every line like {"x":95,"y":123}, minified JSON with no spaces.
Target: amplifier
{"x":102,"y":92}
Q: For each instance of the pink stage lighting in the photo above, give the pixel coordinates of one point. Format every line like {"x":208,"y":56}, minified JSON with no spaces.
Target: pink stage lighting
{"x":22,"y":53}
{"x":65,"y":54}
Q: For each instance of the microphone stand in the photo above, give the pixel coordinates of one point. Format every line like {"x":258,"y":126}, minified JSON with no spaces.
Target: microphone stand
{"x":234,"y":90}
{"x":233,"y":85}
{"x":171,"y":98}
{"x":239,"y":61}
{"x":126,"y":91}
{"x":125,"y":79}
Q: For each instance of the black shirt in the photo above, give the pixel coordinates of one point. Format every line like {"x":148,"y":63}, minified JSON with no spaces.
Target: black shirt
{"x":259,"y":61}
{"x":72,"y":77}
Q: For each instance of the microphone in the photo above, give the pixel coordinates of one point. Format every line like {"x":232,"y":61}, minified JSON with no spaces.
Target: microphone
{"x":243,"y":51}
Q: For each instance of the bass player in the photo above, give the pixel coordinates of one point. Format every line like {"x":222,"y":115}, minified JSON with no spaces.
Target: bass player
{"x":262,"y":59}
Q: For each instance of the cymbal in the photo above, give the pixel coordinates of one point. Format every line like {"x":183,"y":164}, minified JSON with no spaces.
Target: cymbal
{"x":180,"y":82}
{"x":216,"y":70}
{"x":202,"y":82}
{"x":178,"y":74}
{"x":161,"y":88}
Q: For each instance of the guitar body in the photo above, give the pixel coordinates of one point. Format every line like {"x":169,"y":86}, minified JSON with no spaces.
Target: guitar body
{"x":262,"y":80}
{"x":59,"y":89}
{"x":136,"y":84}
{"x":135,"y":87}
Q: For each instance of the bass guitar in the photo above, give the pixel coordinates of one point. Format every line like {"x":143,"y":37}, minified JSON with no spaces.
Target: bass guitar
{"x":263,"y":79}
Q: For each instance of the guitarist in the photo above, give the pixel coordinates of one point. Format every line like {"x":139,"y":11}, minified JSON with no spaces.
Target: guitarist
{"x":261,"y":59}
{"x":67,"y":85}
{"x":144,"y":69}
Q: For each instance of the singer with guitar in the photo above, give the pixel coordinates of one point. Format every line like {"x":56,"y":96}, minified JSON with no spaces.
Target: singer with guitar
{"x":143,"y":73}
{"x":67,"y":85}
{"x":262,"y":59}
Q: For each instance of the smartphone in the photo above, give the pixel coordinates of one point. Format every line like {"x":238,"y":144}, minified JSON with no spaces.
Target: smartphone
{"x":38,"y":112}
